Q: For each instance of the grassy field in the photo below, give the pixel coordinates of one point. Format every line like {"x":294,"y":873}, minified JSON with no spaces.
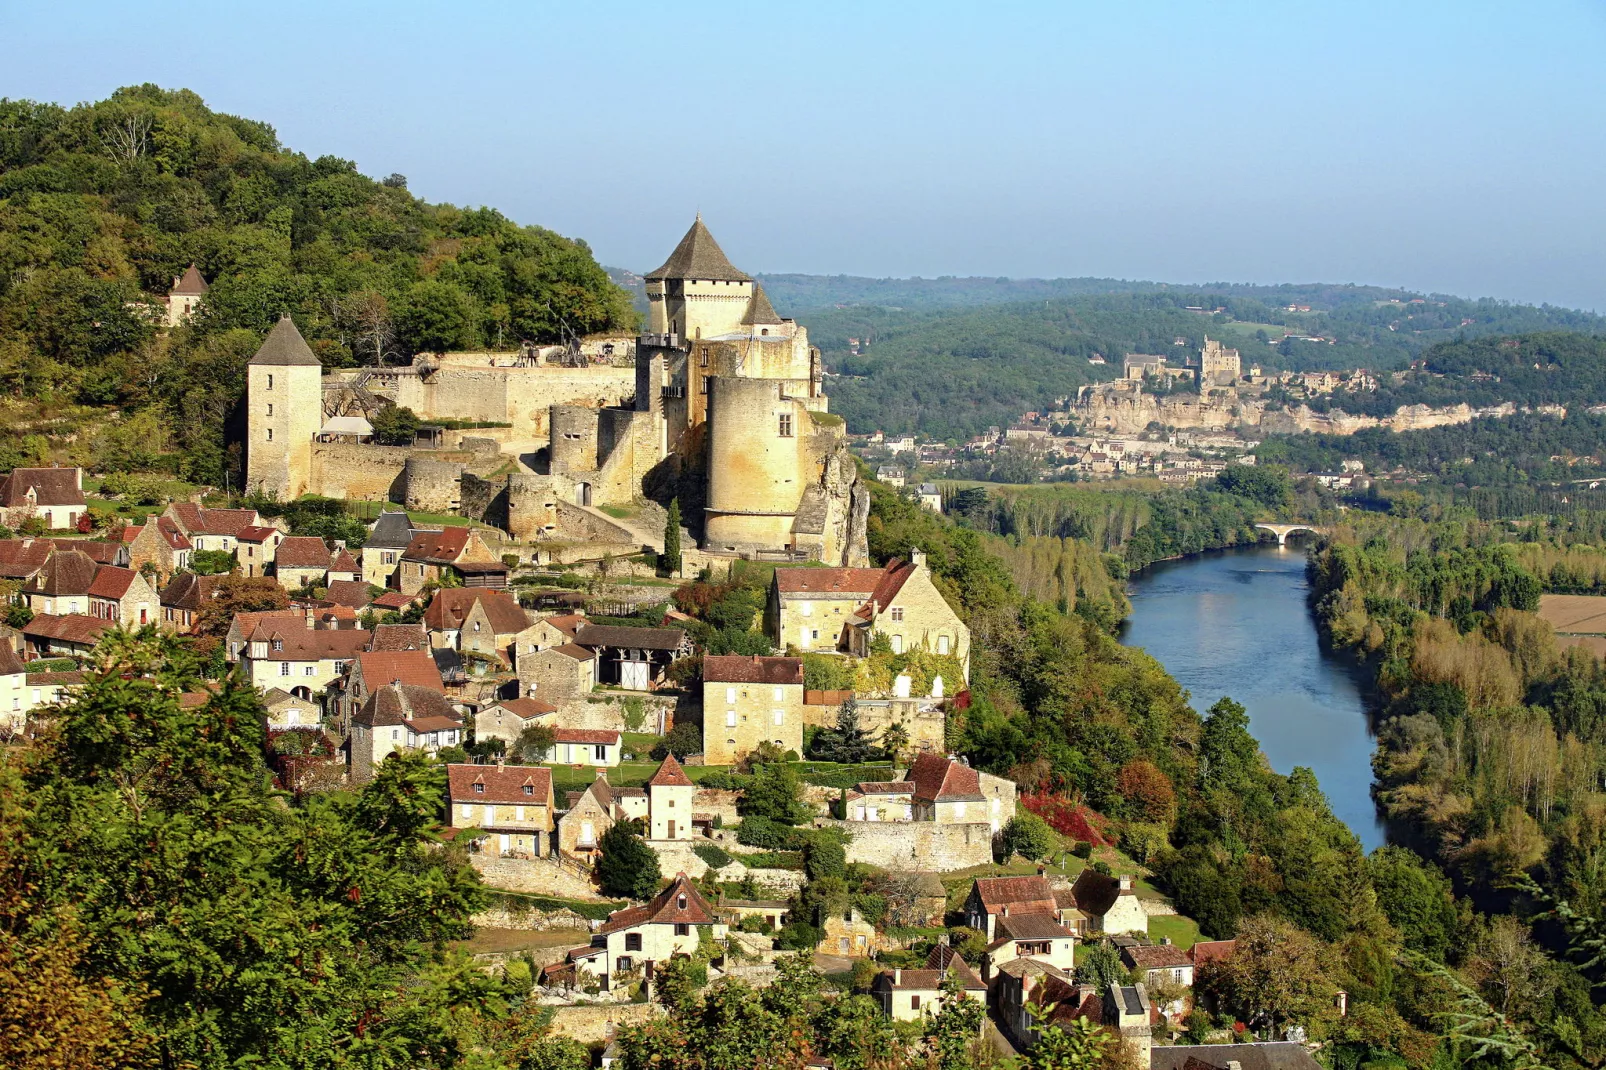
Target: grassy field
{"x":1184,"y":932}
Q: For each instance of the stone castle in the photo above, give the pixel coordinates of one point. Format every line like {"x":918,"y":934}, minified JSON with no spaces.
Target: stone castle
{"x":719,"y":404}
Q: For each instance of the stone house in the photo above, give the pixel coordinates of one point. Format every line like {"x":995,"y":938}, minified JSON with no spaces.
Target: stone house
{"x":243,"y":625}
{"x":185,"y":296}
{"x":589,"y":815}
{"x":254,"y":548}
{"x":1028,"y":981}
{"x":61,"y":587}
{"x":993,"y":898}
{"x":911,"y":995}
{"x":937,"y":789}
{"x":546,"y":632}
{"x":373,"y":669}
{"x":476,"y":620}
{"x":343,"y":567}
{"x":584,"y":746}
{"x":1038,"y":936}
{"x":284,"y":710}
{"x":183,"y":598}
{"x":633,"y":658}
{"x":432,"y":554}
{"x":670,"y":794}
{"x":123,"y":596}
{"x":212,"y":529}
{"x":846,"y":608}
{"x":159,"y":544}
{"x":558,"y":672}
{"x":673,"y":923}
{"x":301,"y":561}
{"x":848,"y":932}
{"x":748,"y":701}
{"x":400,"y":717}
{"x":771,"y":911}
{"x":1162,"y":963}
{"x":507,"y":718}
{"x":1110,"y":903}
{"x":73,"y":635}
{"x":54,"y":496}
{"x":388,"y":537}
{"x":511,"y":804}
{"x":302,"y":660}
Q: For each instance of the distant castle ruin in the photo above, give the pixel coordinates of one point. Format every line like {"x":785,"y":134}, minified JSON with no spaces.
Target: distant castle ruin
{"x":719,"y":404}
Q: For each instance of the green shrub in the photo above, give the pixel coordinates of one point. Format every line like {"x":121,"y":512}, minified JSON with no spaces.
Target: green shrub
{"x":714,"y":855}
{"x":754,"y":923}
{"x":799,"y":936}
{"x":1083,"y":849}
{"x":1028,"y":836}
{"x":756,"y":831}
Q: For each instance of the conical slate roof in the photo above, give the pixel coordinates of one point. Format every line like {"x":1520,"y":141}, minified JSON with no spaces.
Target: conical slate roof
{"x":284,"y":345}
{"x":191,"y":284}
{"x":760,"y":313}
{"x":698,"y":256}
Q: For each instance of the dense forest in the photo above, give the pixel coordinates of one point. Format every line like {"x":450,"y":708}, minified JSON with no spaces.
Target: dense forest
{"x":950,"y":373}
{"x":102,"y":205}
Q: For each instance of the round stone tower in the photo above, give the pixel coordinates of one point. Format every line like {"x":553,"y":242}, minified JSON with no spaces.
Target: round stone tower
{"x":755,"y":464}
{"x":573,"y":445}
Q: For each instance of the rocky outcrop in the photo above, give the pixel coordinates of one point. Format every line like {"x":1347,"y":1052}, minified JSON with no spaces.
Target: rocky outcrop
{"x":1120,"y":410}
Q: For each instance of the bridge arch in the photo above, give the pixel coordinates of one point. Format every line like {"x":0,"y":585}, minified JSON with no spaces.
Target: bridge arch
{"x":1282,"y":531}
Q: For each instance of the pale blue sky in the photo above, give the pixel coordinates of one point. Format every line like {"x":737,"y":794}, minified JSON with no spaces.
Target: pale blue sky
{"x":1440,"y":146}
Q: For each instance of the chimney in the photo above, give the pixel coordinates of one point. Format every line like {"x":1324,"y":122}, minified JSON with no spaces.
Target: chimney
{"x":917,"y":557}
{"x":501,"y":763}
{"x":1234,"y":1064}
{"x":1165,"y":941}
{"x":1125,"y":882}
{"x":897,"y":976}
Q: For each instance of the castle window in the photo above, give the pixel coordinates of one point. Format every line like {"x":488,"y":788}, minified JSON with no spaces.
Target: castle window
{"x":897,"y":613}
{"x":786,"y":425}
{"x":270,"y":382}
{"x":681,"y":928}
{"x":632,"y":941}
{"x":942,"y":644}
{"x":270,"y":434}
{"x":270,"y":408}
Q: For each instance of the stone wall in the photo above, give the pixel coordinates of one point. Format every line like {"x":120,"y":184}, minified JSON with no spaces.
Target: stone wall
{"x":597,"y":1022}
{"x":521,"y":397}
{"x":922,"y":844}
{"x":538,"y":921}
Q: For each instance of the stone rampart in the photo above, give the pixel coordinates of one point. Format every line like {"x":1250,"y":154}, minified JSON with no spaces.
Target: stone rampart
{"x":923,"y":844}
{"x":597,"y":1022}
{"x":520,"y":397}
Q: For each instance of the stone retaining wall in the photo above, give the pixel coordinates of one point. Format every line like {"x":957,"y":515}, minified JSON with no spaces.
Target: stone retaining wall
{"x":596,"y":1023}
{"x":917,"y":844}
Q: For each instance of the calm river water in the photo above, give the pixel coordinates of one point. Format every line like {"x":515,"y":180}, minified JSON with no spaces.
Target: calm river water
{"x":1235,"y":622}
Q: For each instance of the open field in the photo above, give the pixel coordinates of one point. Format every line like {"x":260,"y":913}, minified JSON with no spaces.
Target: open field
{"x":1574,"y":614}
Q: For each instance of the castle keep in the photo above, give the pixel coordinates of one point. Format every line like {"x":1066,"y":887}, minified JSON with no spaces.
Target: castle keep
{"x":719,"y":404}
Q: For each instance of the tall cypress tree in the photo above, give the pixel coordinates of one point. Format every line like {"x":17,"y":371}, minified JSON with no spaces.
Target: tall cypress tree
{"x":671,"y":554}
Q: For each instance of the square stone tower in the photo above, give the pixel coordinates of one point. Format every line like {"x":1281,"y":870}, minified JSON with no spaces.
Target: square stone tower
{"x":669,"y":800}
{"x":698,"y":292}
{"x":284,"y":409}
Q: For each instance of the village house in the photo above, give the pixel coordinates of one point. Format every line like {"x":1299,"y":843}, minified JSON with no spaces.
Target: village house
{"x":1026,"y":982}
{"x":23,"y":692}
{"x":593,"y":812}
{"x":546,"y":632}
{"x":124,"y":597}
{"x":373,"y":669}
{"x":1037,"y":936}
{"x":1161,"y":964}
{"x":670,"y":793}
{"x":457,"y":550}
{"x":61,"y":587}
{"x":243,"y":625}
{"x":929,"y":497}
{"x":300,"y":561}
{"x":890,"y":474}
{"x":476,"y":620}
{"x":388,"y":537}
{"x":584,"y":746}
{"x":771,"y":912}
{"x":1110,"y":903}
{"x":633,"y":658}
{"x":846,"y":608}
{"x":558,"y":673}
{"x":185,"y":297}
{"x":53,"y":496}
{"x":401,"y":717}
{"x":353,"y":593}
{"x":183,"y":598}
{"x":71,"y":635}
{"x":910,"y":995}
{"x":254,"y":548}
{"x":511,"y":805}
{"x":748,"y":701}
{"x":302,"y":660}
{"x":283,"y":710}
{"x":159,"y":544}
{"x":212,"y":529}
{"x":506,"y":719}
{"x":673,"y":923}
{"x":848,"y":932}
{"x":943,"y":790}
{"x":343,"y":567}
{"x":992,"y":898}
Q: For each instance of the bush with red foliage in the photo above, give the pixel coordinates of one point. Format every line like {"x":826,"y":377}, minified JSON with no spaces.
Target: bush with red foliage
{"x":1066,"y":817}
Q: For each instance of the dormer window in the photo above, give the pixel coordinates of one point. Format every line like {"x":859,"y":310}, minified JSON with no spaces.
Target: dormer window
{"x":529,"y":789}
{"x":680,"y":901}
{"x":278,"y":645}
{"x":479,"y":789}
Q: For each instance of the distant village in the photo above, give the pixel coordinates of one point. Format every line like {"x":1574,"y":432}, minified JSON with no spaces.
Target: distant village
{"x":489,"y":617}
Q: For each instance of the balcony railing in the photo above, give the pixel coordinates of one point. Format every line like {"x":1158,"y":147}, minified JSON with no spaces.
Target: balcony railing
{"x":670,"y":340}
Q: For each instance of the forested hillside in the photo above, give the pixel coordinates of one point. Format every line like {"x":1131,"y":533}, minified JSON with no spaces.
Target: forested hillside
{"x":953,"y":372}
{"x":102,"y":205}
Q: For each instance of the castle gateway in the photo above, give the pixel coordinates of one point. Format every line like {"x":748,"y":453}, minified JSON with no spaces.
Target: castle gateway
{"x":719,"y":404}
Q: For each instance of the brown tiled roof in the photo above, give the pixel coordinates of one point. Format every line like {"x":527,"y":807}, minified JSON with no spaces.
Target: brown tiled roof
{"x":752,"y":669}
{"x":42,"y":678}
{"x":165,"y":528}
{"x":297,"y":642}
{"x":1095,"y":892}
{"x":939,"y":962}
{"x":68,"y":628}
{"x":103,"y":551}
{"x":51,"y":486}
{"x":698,"y":256}
{"x":664,"y":909}
{"x":111,"y":582}
{"x":66,"y":572}
{"x":642,"y":638}
{"x":285,"y":346}
{"x":353,"y":593}
{"x":585,"y":735}
{"x":670,"y":774}
{"x":380,"y":667}
{"x":838,"y":581}
{"x":943,"y":780}
{"x":21,"y":558}
{"x":396,"y":704}
{"x":452,"y":605}
{"x":526,"y":708}
{"x":395,"y":600}
{"x":1155,"y":956}
{"x":567,"y":623}
{"x":10,"y":664}
{"x":301,"y":551}
{"x":1211,"y":951}
{"x":439,"y":547}
{"x":883,"y":787}
{"x":578,"y":653}
{"x":395,"y":637}
{"x":343,"y":562}
{"x":760,"y":312}
{"x":1023,"y":895}
{"x":201,"y":521}
{"x":256,"y":533}
{"x":190,"y":284}
{"x":1032,"y":927}
{"x":504,"y":785}
{"x":893,"y":577}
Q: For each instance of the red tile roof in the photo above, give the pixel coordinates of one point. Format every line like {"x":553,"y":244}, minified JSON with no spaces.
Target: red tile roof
{"x":828,"y":581}
{"x":200,"y":521}
{"x":679,"y":904}
{"x":112,"y":582}
{"x":51,"y":486}
{"x":256,"y":533}
{"x":1032,"y":927}
{"x":68,"y":628}
{"x":301,"y":551}
{"x":670,"y":774}
{"x":399,"y":637}
{"x":452,"y":605}
{"x":1023,"y":895}
{"x":424,"y":709}
{"x":584,"y":735}
{"x":21,"y":558}
{"x":753,"y":669}
{"x":66,"y":572}
{"x":943,"y":780}
{"x":1156,"y":956}
{"x":1096,"y":892}
{"x":567,"y":623}
{"x":504,"y":785}
{"x":578,"y":653}
{"x":395,"y":600}
{"x":441,"y":547}
{"x":103,"y":551}
{"x":380,"y":667}
{"x":353,"y":593}
{"x":343,"y":562}
{"x":1211,"y":951}
{"x":297,"y":642}
{"x":526,"y":708}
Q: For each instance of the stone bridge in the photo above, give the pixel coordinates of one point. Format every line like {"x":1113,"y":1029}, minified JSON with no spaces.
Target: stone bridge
{"x":1282,"y":531}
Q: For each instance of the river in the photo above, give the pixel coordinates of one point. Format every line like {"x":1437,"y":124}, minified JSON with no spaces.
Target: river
{"x":1236,"y":622}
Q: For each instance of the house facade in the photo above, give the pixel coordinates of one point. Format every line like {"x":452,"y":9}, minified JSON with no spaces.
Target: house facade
{"x":52,"y":496}
{"x":512,"y":805}
{"x":673,"y":923}
{"x":401,"y":717}
{"x":749,"y":700}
